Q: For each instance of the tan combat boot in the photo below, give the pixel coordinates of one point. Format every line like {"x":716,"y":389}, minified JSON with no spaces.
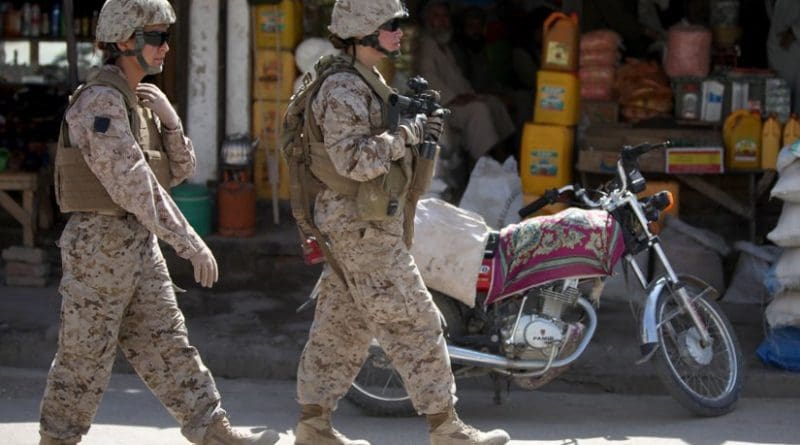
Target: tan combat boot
{"x":447,"y":429}
{"x":47,"y":440}
{"x":221,"y":433}
{"x":315,"y":428}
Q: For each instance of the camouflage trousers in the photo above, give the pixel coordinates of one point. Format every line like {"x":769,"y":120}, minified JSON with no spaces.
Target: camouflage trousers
{"x":385,"y":299}
{"x":116,"y":291}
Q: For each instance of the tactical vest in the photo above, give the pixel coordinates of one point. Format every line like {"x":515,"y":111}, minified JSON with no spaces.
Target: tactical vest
{"x":77,"y":188}
{"x":378,"y":199}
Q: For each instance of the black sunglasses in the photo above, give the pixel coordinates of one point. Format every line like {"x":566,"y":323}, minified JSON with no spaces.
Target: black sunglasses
{"x":155,"y":38}
{"x":391,"y":26}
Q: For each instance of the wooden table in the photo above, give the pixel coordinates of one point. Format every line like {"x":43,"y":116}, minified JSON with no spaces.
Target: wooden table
{"x":25,"y":214}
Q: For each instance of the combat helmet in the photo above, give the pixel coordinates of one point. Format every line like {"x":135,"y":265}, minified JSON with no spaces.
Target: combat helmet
{"x":360,"y":19}
{"x":121,"y":19}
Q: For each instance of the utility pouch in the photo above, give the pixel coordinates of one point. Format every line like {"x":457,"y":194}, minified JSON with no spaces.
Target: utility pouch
{"x":384,"y":197}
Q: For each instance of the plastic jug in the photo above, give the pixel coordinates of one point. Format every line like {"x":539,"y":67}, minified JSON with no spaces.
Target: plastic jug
{"x":791,"y":131}
{"x":770,"y":142}
{"x":742,"y":136}
{"x":560,"y":42}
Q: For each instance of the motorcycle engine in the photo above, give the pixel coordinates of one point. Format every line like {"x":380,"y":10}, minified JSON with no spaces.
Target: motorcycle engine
{"x":538,"y":327}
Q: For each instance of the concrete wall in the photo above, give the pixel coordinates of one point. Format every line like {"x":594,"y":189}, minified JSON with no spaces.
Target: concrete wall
{"x":203,"y":86}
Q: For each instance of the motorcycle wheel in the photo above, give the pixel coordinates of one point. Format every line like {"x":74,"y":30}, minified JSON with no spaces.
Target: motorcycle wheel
{"x":378,"y":388}
{"x":705,"y":379}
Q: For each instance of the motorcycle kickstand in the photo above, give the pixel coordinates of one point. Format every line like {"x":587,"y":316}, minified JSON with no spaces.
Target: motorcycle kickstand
{"x":502,"y":387}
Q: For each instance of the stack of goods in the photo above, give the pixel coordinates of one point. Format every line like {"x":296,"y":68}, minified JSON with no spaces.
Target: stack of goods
{"x":599,"y":58}
{"x":26,"y":266}
{"x":277,"y":29}
{"x":546,"y":146}
{"x":644,"y":90}
{"x":783,"y":280}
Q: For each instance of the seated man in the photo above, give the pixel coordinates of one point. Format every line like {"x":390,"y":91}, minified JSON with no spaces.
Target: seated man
{"x":481,"y":122}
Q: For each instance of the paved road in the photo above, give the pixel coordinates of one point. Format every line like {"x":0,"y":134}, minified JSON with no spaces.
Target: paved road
{"x":130,"y":415}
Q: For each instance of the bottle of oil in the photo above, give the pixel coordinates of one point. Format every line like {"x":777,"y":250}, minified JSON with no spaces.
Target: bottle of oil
{"x":560,"y":42}
{"x":770,"y":141}
{"x":742,"y":136}
{"x":791,"y":131}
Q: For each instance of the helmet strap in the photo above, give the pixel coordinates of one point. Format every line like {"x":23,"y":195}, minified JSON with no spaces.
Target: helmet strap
{"x":148,"y":69}
{"x":372,"y":41}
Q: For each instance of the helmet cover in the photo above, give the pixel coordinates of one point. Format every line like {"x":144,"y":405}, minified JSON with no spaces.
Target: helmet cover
{"x":360,"y":18}
{"x":119,"y":19}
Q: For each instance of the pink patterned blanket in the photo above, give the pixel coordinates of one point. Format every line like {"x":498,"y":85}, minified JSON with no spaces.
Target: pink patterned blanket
{"x":574,"y":242}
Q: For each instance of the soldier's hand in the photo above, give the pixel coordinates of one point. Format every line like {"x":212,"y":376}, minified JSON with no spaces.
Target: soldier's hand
{"x":413,"y":129}
{"x":435,"y":125}
{"x":205,"y":267}
{"x":153,"y":98}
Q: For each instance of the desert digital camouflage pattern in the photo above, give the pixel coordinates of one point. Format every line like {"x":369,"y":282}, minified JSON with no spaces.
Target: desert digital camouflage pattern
{"x":116,"y":159}
{"x":115,"y":286}
{"x":360,"y":18}
{"x":118,"y":19}
{"x":385,"y":297}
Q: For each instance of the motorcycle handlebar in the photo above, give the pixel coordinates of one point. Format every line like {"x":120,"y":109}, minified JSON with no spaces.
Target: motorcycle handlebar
{"x":631,"y":153}
{"x":549,"y":197}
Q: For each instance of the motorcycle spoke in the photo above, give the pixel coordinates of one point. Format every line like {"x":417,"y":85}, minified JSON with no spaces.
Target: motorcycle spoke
{"x":706,"y":380}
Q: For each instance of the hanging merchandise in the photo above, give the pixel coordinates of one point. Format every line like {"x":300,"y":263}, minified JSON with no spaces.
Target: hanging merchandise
{"x":770,"y":142}
{"x":742,"y":136}
{"x":688,"y":51}
{"x":791,"y":131}
{"x":560,"y":42}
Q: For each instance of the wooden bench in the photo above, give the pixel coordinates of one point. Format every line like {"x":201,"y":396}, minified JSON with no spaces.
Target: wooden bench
{"x":25,"y":214}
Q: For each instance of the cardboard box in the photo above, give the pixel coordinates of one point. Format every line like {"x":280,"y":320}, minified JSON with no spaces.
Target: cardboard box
{"x":695,"y":160}
{"x":600,"y":112}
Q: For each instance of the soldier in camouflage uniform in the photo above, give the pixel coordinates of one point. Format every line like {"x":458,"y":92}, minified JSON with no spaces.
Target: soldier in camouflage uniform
{"x":116,"y":288}
{"x":380,"y":293}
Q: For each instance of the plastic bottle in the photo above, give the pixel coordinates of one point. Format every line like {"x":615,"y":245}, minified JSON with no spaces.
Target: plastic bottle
{"x":560,"y":42}
{"x":770,"y":142}
{"x":791,"y":131}
{"x":742,"y":136}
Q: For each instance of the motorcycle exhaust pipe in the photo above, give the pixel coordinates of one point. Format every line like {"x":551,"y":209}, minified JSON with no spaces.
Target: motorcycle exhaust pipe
{"x":471,"y":357}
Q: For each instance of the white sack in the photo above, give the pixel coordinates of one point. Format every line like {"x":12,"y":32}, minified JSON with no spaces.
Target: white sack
{"x":494,"y":191}
{"x":448,"y":248}
{"x":787,"y":188}
{"x":786,"y":156}
{"x":787,"y":232}
{"x":784,"y":310}
{"x":787,"y":269}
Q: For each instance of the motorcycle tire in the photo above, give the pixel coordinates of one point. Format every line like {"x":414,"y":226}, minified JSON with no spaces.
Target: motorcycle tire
{"x":378,"y":388}
{"x":705,"y":379}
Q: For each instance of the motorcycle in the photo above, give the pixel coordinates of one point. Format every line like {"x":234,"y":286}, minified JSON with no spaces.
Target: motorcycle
{"x":538,"y":315}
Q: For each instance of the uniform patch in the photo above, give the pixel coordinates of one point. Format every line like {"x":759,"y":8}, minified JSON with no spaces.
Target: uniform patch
{"x":101,"y":124}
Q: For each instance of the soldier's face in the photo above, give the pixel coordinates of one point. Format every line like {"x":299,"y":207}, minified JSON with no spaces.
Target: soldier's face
{"x":156,"y":46}
{"x":390,"y":40}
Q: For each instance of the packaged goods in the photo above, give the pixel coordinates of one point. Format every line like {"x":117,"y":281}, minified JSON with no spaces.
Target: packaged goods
{"x":600,"y":41}
{"x":688,"y":51}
